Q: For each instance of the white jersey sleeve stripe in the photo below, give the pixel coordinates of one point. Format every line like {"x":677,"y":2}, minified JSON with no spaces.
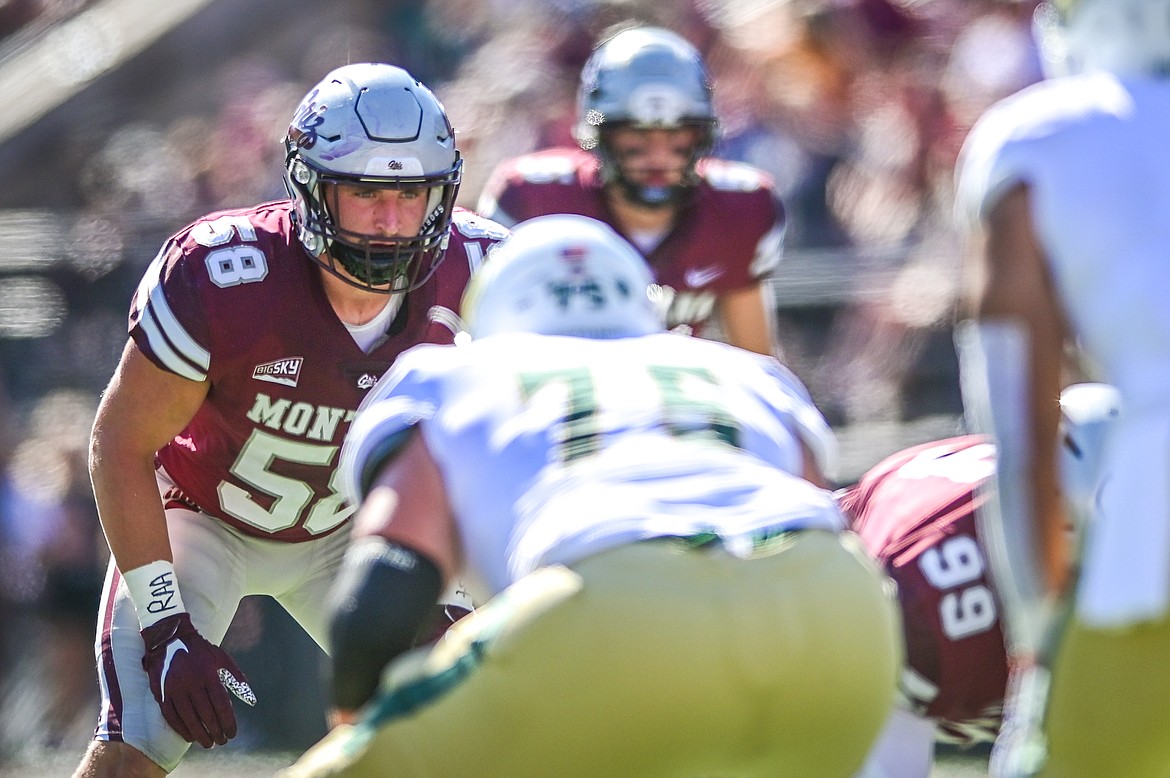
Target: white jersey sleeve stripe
{"x":176,"y":334}
{"x":162,"y":348}
{"x":768,"y":251}
{"x":163,"y":331}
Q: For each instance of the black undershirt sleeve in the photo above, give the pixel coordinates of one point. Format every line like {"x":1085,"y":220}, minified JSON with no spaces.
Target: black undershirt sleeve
{"x":382,"y":595}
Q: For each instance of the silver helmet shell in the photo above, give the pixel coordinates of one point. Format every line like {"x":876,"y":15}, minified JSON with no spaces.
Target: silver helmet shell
{"x":372,"y":124}
{"x":1125,"y":37}
{"x":645,"y":78}
{"x":563,"y":274}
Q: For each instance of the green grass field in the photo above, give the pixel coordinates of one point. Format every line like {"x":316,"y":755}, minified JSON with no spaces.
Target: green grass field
{"x":225,"y":763}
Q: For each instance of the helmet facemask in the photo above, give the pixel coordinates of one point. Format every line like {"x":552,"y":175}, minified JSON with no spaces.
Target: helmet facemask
{"x":613,"y":168}
{"x":372,"y":262}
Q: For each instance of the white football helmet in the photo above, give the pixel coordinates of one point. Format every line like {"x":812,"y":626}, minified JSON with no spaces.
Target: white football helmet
{"x":372,"y":124}
{"x":1126,"y":37}
{"x":563,"y":275}
{"x":1087,"y":412}
{"x":651,"y":78}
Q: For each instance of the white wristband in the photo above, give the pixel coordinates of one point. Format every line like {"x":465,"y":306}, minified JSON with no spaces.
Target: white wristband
{"x":154,"y":591}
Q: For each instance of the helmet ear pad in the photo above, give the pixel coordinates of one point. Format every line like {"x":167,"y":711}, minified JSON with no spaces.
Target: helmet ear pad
{"x":372,"y":125}
{"x":302,"y":185}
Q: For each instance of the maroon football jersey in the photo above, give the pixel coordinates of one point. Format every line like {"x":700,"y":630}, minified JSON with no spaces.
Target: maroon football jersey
{"x":915,"y":512}
{"x":235,"y":300}
{"x":729,"y":236}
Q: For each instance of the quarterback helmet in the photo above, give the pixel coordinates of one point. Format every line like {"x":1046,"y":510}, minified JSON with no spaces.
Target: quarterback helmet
{"x":1087,"y":411}
{"x":645,"y":78}
{"x":1126,"y":37}
{"x":372,"y":125}
{"x":563,"y":275}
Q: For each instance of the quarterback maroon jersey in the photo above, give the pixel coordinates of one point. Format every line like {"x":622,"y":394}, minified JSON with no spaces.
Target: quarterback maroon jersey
{"x":915,"y":512}
{"x":234,"y":299}
{"x":728,"y":236}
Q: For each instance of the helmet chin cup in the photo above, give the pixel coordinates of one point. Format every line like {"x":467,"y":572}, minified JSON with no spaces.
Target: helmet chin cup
{"x":655,"y":196}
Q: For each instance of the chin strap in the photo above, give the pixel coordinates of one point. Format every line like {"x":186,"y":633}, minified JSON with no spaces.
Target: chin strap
{"x":671,"y":196}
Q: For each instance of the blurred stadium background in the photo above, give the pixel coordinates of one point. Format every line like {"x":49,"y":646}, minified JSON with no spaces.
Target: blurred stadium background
{"x":122,"y":120}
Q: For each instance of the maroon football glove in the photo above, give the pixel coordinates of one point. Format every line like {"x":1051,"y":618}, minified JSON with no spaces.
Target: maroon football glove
{"x":190,"y":678}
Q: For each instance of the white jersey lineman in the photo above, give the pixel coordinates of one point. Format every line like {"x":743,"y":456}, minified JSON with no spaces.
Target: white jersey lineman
{"x":1091,"y":148}
{"x":667,"y":596}
{"x":1068,"y":184}
{"x":567,"y":467}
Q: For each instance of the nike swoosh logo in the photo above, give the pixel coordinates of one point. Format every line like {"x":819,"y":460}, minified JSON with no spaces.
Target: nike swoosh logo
{"x":696,"y":277}
{"x":174,"y":647}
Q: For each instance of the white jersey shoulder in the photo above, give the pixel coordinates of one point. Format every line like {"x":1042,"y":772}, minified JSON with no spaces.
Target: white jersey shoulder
{"x":728,"y":176}
{"x":547,"y":168}
{"x":1015,"y":136}
{"x":472,"y":225}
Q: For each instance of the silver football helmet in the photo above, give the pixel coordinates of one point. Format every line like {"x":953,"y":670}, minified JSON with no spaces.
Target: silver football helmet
{"x":563,"y":275}
{"x":372,"y":124}
{"x":1126,"y":37}
{"x":645,"y":77}
{"x":1087,"y":413}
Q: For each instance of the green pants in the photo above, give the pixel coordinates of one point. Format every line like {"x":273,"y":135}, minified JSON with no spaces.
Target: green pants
{"x":1109,"y":713}
{"x":653,"y":659}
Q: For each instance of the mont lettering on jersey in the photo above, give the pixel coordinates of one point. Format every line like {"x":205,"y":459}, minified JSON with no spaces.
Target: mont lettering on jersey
{"x":234,"y":300}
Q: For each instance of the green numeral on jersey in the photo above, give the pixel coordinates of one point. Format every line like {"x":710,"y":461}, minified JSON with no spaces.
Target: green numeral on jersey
{"x":691,"y":406}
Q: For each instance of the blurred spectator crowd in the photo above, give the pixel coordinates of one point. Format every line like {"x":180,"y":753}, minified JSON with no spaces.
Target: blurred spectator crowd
{"x":857,"y":108}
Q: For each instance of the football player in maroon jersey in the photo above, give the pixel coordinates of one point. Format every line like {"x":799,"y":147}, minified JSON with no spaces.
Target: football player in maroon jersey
{"x":916,"y":513}
{"x":254,"y":335}
{"x":711,"y":230}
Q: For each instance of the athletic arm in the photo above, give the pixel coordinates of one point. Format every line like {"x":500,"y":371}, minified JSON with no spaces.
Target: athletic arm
{"x":407,"y":505}
{"x":498,"y":193}
{"x":404,"y":553}
{"x":810,"y":470}
{"x":748,"y":321}
{"x":141,"y":410}
{"x":1010,"y":284}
